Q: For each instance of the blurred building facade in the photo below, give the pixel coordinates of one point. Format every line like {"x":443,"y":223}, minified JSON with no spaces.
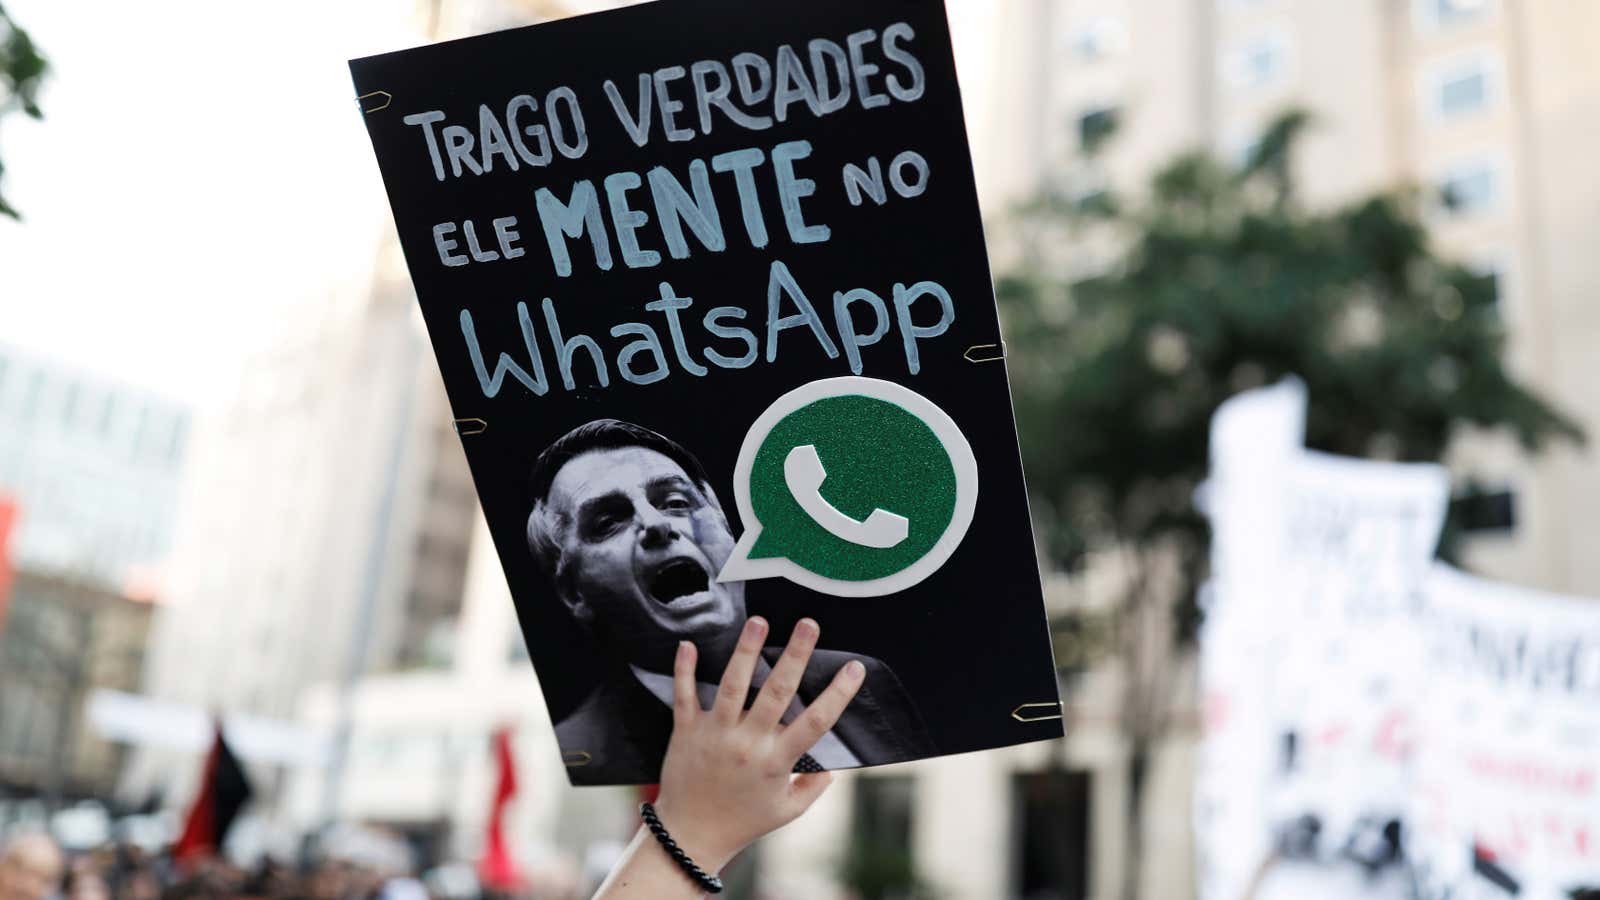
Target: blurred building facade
{"x":420,"y":758}
{"x":1484,"y":106}
{"x":93,"y":466}
{"x":324,"y":528}
{"x":62,"y":639}
{"x":90,"y":473}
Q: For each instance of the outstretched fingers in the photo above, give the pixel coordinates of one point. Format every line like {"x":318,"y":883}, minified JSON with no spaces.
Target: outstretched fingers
{"x":803,"y":733}
{"x":685,"y":698}
{"x":784,"y":681}
{"x":735,"y":685}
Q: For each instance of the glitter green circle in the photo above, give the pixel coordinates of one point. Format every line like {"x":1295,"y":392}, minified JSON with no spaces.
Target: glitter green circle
{"x":877,"y":455}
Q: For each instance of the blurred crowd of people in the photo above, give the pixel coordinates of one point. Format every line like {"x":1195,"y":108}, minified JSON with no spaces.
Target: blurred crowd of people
{"x":34,"y":867}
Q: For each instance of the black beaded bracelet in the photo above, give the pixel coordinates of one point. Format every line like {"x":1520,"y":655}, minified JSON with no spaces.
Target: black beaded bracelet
{"x":710,"y":883}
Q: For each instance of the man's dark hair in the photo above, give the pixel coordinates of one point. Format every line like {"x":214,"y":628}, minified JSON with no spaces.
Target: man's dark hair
{"x":601,"y":434}
{"x":606,"y":434}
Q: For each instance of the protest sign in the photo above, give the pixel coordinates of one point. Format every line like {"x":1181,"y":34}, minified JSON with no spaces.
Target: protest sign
{"x":1359,"y":537}
{"x":1508,"y":744}
{"x":1255,"y":436}
{"x":1367,"y":707}
{"x":1308,"y":647}
{"x":707,"y":285}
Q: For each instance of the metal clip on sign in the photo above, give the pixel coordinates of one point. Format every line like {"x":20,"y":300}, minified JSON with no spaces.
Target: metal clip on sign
{"x":370,"y":108}
{"x":1035,"y":712}
{"x":982,"y":353}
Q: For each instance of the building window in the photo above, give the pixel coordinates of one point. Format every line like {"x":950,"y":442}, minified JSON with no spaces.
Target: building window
{"x":1051,"y":827}
{"x":1261,"y":62}
{"x":1460,"y":88}
{"x":1485,"y":510}
{"x":180,"y":430}
{"x":1098,"y":39}
{"x":1491,"y":273}
{"x":1467,"y":92}
{"x":1096,"y":125}
{"x":1238,"y":145}
{"x":141,"y":424}
{"x":32,"y":395}
{"x":108,"y":414}
{"x":69,"y":404}
{"x":1469,"y":190}
{"x":1495,"y":281}
{"x":1431,"y":15}
{"x":1088,"y":191}
{"x":879,"y":861}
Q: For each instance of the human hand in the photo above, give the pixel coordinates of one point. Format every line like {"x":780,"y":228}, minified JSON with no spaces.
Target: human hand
{"x":727,"y":775}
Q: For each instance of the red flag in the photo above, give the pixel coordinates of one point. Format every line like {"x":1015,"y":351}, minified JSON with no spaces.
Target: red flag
{"x":498,"y":868}
{"x":8,"y":521}
{"x":224,"y":790}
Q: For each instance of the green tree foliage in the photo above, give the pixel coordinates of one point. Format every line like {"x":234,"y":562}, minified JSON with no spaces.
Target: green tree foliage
{"x":1221,"y":282}
{"x":22,"y":73}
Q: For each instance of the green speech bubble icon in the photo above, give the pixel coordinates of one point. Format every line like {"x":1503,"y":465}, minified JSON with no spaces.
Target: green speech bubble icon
{"x":854,"y":487}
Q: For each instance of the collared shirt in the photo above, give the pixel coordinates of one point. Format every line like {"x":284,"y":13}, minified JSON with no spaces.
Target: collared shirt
{"x":829,"y":751}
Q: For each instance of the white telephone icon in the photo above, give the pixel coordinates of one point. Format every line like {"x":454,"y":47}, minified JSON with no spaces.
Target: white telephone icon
{"x":803,"y":472}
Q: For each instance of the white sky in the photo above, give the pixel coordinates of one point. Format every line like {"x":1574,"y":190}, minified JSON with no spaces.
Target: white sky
{"x":202,"y":168}
{"x":202,"y":171}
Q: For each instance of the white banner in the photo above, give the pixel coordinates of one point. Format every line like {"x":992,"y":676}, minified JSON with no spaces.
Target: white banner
{"x":1359,"y":697}
{"x":1508,"y":755}
{"x":1318,"y":563}
{"x":1358,"y":540}
{"x":1254,"y":437}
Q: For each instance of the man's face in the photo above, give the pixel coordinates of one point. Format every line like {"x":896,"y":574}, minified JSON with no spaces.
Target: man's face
{"x":30,"y":869}
{"x":644,"y":544}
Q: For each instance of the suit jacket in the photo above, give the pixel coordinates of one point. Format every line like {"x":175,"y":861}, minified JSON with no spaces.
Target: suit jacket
{"x":619,"y":734}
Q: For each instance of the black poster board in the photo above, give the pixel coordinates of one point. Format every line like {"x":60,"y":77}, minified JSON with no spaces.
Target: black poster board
{"x":586,"y":249}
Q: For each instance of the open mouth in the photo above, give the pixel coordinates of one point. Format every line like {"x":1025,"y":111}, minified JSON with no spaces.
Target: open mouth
{"x":677,"y":579}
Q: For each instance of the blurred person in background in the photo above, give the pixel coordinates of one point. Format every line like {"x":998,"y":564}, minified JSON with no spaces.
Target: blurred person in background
{"x":133,"y":873}
{"x":84,"y":881}
{"x":30,"y":867}
{"x":139,"y":884}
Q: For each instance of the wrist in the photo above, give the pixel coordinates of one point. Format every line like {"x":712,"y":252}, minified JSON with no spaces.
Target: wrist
{"x":709,"y":850}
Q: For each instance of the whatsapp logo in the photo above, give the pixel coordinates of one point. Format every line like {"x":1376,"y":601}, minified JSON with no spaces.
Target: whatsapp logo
{"x":854,"y":487}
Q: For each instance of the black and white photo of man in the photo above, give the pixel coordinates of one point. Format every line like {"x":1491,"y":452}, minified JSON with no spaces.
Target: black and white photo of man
{"x":627,"y":526}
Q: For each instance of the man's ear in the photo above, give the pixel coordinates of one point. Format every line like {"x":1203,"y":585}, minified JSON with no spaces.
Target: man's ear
{"x":579,"y":607}
{"x":542,"y":543}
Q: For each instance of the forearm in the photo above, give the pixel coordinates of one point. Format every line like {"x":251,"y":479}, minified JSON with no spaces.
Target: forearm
{"x":646,"y":872}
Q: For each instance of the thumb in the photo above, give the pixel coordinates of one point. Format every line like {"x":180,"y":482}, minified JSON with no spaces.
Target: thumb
{"x":806,"y":788}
